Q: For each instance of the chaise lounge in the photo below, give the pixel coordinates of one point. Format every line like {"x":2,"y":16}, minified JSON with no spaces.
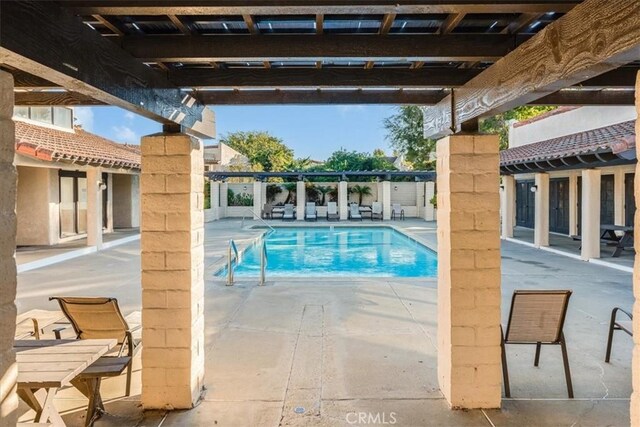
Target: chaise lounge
{"x":310,"y":213}
{"x":332,"y":212}
{"x":354,"y":212}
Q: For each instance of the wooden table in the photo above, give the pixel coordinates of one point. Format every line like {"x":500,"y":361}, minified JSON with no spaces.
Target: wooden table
{"x":621,"y":242}
{"x":46,"y":365}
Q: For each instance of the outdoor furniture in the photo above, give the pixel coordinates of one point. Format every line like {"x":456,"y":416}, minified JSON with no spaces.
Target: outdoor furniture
{"x":354,"y":212}
{"x":332,"y":211}
{"x":277,"y":210}
{"x":33,"y":322}
{"x":618,"y":325}
{"x":537,"y":317}
{"x":267,"y":211}
{"x":620,"y":242}
{"x":376,"y":211}
{"x":365,"y":210}
{"x":288,"y":213}
{"x":100,"y":317}
{"x":310,"y":213}
{"x":397,"y":211}
{"x":44,"y":366}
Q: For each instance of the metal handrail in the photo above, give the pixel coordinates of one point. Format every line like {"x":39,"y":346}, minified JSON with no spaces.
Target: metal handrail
{"x":263,"y":263}
{"x":232,"y":250}
{"x":255,"y":215}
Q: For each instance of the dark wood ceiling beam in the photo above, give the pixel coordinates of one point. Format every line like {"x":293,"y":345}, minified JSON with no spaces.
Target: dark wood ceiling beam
{"x":459,"y":47}
{"x":523,"y":21}
{"x":319,"y":24}
{"x":45,"y":40}
{"x":451,"y":22}
{"x":54,"y":98}
{"x":588,"y":97}
{"x":179,"y":25}
{"x":387,"y":23}
{"x":561,"y":55}
{"x":117,"y":31}
{"x":251,"y":26}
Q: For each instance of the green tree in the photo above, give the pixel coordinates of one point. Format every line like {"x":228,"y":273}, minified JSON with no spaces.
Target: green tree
{"x":343,"y":160}
{"x":499,"y":124}
{"x":265,"y":152}
{"x":272,"y":191}
{"x":405,"y":133}
{"x":300,"y":164}
{"x":324,"y":190}
{"x":361,"y":191}
{"x":291,"y":187}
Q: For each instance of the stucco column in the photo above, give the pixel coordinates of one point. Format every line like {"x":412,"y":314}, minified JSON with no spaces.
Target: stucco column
{"x":224,"y":199}
{"x":469,"y":363}
{"x":635,"y":368}
{"x":8,"y":275}
{"x":301,"y":198}
{"x":172,"y":270}
{"x":541,"y":227}
{"x":573,"y":204}
{"x":420,"y":202}
{"x":618,"y":197}
{"x":508,"y":205}
{"x":429,"y":209}
{"x":386,"y":200}
{"x":94,"y":207}
{"x":343,"y":200}
{"x":263,"y":192}
{"x":590,"y":225}
{"x":257,"y":200}
{"x":214,"y":197}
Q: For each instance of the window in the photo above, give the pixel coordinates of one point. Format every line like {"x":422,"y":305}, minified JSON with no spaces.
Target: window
{"x":57,"y":116}
{"x":21,"y":112}
{"x":62,"y":117}
{"x":42,"y":114}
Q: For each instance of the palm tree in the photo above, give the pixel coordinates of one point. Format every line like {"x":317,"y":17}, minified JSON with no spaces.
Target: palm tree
{"x":291,"y":188}
{"x":324,"y":190}
{"x":361,"y":191}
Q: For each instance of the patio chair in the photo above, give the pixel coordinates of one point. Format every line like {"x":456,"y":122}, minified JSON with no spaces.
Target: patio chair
{"x":310,"y":213}
{"x":376,"y":211}
{"x":537,"y":317}
{"x":332,"y":211}
{"x":354,"y":212}
{"x":397,"y":211}
{"x":289,"y":214}
{"x":618,"y":325}
{"x":267,"y":211}
{"x":100,"y":318}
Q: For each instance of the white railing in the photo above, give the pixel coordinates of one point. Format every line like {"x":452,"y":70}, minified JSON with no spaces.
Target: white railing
{"x":255,"y":215}
{"x":263,"y":263}
{"x":231,"y":252}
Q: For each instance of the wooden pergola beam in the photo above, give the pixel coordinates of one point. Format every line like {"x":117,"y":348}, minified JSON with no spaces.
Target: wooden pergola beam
{"x":587,"y":97}
{"x":54,"y":98}
{"x":51,"y":42}
{"x":179,"y":25}
{"x":561,"y":55}
{"x":458,"y":47}
{"x":451,"y":22}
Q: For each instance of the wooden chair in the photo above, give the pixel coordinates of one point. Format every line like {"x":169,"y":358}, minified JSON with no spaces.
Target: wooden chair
{"x":100,"y":317}
{"x":537,"y":317}
{"x":618,"y":325}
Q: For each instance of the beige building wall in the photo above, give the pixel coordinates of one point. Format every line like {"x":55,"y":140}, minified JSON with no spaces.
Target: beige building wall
{"x":37,"y":206}
{"x":126,"y":201}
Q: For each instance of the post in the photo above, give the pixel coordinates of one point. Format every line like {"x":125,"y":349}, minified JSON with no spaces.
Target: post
{"x":469,"y":362}
{"x":590,"y":226}
{"x":573,"y":204}
{"x":343,"y":200}
{"x":94,"y":207}
{"x":618,"y":197}
{"x":386,"y":200}
{"x":541,"y":227}
{"x":172,"y":271}
{"x":635,"y":366}
{"x":257,"y":200}
{"x":420,"y":200}
{"x":8,"y":275}
{"x":301,"y":199}
{"x":507,"y":205}
{"x":224,"y":199}
{"x":429,"y":209}
{"x":214,"y":197}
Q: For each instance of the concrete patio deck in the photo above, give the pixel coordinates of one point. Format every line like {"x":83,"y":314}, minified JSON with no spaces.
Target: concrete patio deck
{"x":318,"y":352}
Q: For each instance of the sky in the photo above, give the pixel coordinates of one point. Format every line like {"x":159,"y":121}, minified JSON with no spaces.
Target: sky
{"x":311,"y":131}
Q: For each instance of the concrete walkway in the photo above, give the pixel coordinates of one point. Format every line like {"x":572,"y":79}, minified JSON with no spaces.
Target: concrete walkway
{"x":317,"y":352}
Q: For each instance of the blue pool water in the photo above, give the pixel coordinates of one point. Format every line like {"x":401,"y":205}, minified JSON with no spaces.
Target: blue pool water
{"x":341,"y":251}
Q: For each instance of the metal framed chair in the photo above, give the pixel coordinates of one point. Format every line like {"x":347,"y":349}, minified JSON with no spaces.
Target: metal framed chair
{"x":397,"y":211}
{"x":537,"y":317}
{"x":99,"y":318}
{"x":376,"y":211}
{"x":618,"y":325}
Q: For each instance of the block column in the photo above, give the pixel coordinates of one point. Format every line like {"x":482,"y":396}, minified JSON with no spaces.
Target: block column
{"x":94,"y":206}
{"x":573,"y":204}
{"x":420,"y":200}
{"x":343,"y":200}
{"x":635,"y":366}
{"x":507,"y":205}
{"x":590,"y":226}
{"x":214,"y":197}
{"x":257,"y":200}
{"x":8,"y":275}
{"x":429,"y":209}
{"x":301,"y":198}
{"x":172,"y":271}
{"x":224,"y":199}
{"x":386,"y":200}
{"x":469,"y":363}
{"x":541,"y":227}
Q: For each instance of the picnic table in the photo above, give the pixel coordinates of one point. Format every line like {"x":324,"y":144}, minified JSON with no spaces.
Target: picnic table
{"x":621,"y":242}
{"x":44,"y":366}
{"x":365,"y":210}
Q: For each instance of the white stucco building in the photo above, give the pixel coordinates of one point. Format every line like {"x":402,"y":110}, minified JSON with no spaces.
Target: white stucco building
{"x":221,"y":157}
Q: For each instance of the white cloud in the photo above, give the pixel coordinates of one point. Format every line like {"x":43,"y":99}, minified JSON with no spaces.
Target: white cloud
{"x":129,"y":116}
{"x":346,"y":109}
{"x":84,"y":117}
{"x":125,"y":134}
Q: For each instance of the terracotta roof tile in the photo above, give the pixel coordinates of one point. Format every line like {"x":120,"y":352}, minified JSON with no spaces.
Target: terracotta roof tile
{"x":81,"y":146}
{"x":613,"y":138}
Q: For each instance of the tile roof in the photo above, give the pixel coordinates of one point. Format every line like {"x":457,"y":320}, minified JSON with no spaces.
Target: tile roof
{"x":51,"y":144}
{"x":609,"y":139}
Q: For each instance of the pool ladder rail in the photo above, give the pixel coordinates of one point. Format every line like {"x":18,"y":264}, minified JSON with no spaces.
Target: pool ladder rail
{"x":255,"y":216}
{"x":232,"y":255}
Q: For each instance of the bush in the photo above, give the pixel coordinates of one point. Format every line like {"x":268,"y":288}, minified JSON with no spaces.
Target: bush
{"x":239,"y":199}
{"x":434,"y":201}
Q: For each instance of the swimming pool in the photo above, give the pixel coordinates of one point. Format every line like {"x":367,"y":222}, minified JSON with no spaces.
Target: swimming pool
{"x":338,"y":252}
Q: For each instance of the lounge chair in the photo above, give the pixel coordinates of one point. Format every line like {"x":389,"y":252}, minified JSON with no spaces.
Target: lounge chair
{"x":376,"y":211}
{"x":100,"y":318}
{"x":332,"y":211}
{"x":267,"y":211}
{"x":289,"y":214}
{"x":397,"y":211}
{"x":537,"y":317}
{"x":354,"y":212}
{"x":310,"y":213}
{"x":618,"y":325}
